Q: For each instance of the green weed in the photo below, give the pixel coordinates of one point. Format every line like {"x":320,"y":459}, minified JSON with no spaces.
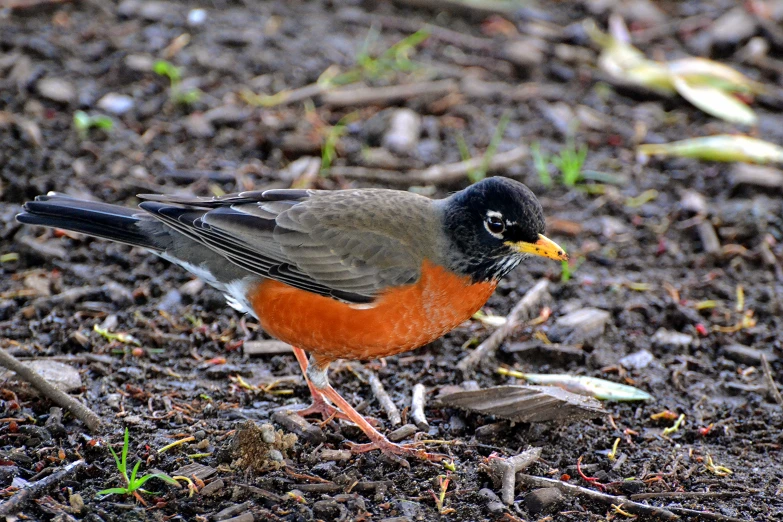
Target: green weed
{"x":541,"y":163}
{"x":569,"y":161}
{"x":477,"y":174}
{"x":393,"y":60}
{"x":83,"y":122}
{"x":132,"y":483}
{"x":333,"y":135}
{"x":177,"y":93}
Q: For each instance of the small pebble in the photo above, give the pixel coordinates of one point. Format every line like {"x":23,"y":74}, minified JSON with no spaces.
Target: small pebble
{"x":268,"y":433}
{"x":664,"y":338}
{"x":57,"y":89}
{"x":275,"y":455}
{"x":543,"y":500}
{"x":213,"y":487}
{"x":196,"y":17}
{"x":403,"y":432}
{"x":116,"y":103}
{"x":637,"y":360}
{"x":403,"y":133}
{"x":580,"y":326}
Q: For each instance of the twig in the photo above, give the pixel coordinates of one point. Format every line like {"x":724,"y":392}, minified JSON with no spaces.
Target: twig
{"x":45,"y":249}
{"x":355,"y":96}
{"x":27,"y":4}
{"x":479,"y":10}
{"x":285,"y":97}
{"x":406,"y":25}
{"x":82,"y":412}
{"x":706,"y":515}
{"x":771,"y":386}
{"x":506,"y":470}
{"x":521,"y":312}
{"x":417,"y":408}
{"x":572,"y":489}
{"x":693,"y":494}
{"x":386,"y":402}
{"x":33,"y":489}
{"x":437,"y":174}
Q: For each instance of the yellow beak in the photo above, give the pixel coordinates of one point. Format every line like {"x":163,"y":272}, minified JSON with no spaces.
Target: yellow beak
{"x":544,"y":247}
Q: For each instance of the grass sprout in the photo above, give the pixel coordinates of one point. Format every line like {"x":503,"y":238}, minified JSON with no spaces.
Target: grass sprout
{"x":394,"y":59}
{"x":83,"y":122}
{"x":477,"y":174}
{"x":332,"y":138}
{"x":569,"y":162}
{"x":177,"y":93}
{"x":541,"y":164}
{"x":133,"y":483}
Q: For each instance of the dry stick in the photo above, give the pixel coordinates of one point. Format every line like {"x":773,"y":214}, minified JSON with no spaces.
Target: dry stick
{"x":417,"y":408}
{"x":706,"y":515}
{"x":773,"y":389}
{"x":291,"y":96}
{"x":407,"y":25}
{"x":386,"y":402}
{"x":572,"y":489}
{"x":521,"y":312}
{"x":480,"y":10}
{"x":355,"y":96}
{"x":437,"y":174}
{"x":33,"y":489}
{"x":82,"y":412}
{"x":693,"y":494}
{"x":506,"y":470}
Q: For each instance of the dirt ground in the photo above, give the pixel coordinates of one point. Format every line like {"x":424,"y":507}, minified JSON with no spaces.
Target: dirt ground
{"x":642,"y":236}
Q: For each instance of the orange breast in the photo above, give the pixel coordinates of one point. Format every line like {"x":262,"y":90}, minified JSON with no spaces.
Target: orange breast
{"x":399,"y":320}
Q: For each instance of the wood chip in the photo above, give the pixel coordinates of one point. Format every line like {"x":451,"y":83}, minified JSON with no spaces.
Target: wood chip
{"x":708,"y":236}
{"x":526,"y":403}
{"x":296,"y":424}
{"x":271,"y":347}
{"x":199,"y":470}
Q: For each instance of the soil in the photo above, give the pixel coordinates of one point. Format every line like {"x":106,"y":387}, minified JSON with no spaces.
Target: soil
{"x":636,"y":246}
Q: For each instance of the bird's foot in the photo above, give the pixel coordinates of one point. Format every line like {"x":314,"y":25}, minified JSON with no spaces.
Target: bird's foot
{"x":398,"y":450}
{"x":325,"y":410}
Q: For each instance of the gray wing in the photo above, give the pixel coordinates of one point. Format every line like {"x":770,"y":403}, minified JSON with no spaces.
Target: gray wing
{"x":320,"y":241}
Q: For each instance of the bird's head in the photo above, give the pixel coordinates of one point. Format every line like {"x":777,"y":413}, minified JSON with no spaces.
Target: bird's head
{"x":493,"y":225}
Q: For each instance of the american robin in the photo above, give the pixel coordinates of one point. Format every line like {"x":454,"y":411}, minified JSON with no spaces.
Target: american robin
{"x":345,"y":274}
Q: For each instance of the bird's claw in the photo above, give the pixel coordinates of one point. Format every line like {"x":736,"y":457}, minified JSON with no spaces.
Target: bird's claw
{"x":326,"y":411}
{"x":397,"y":450}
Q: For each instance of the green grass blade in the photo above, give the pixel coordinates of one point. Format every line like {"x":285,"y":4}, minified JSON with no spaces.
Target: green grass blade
{"x":113,"y":491}
{"x":161,"y":476}
{"x":133,"y":474}
{"x":116,"y":457}
{"x":493,"y":144}
{"x":126,"y":443}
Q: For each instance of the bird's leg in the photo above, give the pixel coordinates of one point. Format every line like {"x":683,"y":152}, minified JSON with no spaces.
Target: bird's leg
{"x":317,"y":376}
{"x":319,"y":405}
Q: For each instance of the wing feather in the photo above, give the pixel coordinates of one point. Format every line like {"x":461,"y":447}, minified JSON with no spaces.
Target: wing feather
{"x":319,"y":241}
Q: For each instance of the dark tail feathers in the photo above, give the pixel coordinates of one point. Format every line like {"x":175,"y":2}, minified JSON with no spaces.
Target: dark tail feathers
{"x":88,"y":217}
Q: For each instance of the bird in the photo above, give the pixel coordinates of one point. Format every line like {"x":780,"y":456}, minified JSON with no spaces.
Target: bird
{"x":354,"y":274}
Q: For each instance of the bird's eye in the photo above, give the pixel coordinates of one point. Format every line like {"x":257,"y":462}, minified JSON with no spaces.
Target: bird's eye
{"x":495,"y":225}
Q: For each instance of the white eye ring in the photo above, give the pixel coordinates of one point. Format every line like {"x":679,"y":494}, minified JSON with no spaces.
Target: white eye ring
{"x":494,"y":224}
